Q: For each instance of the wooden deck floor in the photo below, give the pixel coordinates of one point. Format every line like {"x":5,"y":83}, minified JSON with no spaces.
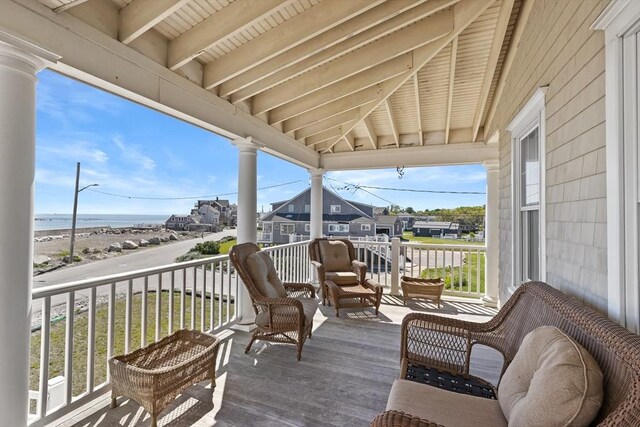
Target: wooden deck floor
{"x":343,"y":379}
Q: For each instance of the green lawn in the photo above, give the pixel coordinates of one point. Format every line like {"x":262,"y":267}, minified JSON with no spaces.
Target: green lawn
{"x":224,"y":247}
{"x":436,"y":240}
{"x":57,"y":336}
{"x":469,"y":278}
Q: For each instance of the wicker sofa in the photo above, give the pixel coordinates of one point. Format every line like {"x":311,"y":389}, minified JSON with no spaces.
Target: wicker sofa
{"x":444,"y":343}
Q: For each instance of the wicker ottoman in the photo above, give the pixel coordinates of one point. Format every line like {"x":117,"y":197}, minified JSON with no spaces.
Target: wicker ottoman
{"x":154,"y":375}
{"x":413,"y":287}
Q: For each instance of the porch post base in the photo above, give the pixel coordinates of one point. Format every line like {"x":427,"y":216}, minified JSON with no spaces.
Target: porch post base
{"x":244,"y":327}
{"x":488,"y":301}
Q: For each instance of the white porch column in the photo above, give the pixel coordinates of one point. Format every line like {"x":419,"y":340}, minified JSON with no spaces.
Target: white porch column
{"x":18,"y":68}
{"x":316,"y":202}
{"x":247,"y":211}
{"x":491,"y":235}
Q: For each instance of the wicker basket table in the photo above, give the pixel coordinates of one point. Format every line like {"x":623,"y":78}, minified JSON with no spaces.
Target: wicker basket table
{"x":413,"y":287}
{"x":154,"y":375}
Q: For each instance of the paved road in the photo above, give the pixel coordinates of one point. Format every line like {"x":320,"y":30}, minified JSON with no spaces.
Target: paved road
{"x":147,"y":258}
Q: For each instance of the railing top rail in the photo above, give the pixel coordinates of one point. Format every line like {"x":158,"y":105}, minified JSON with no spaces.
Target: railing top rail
{"x":443,"y":246}
{"x":78,"y":285}
{"x":286,"y":245}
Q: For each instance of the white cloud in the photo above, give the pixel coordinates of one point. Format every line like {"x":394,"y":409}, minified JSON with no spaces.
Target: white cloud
{"x":133,"y":154}
{"x":82,"y":150}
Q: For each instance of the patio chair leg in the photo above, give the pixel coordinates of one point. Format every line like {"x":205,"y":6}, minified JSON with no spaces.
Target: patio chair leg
{"x":154,"y":421}
{"x":253,"y":338}
{"x":114,"y":402}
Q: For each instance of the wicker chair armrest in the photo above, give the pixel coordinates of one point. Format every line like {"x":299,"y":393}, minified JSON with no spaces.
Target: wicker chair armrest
{"x":282,"y":310}
{"x":431,"y":340}
{"x":300,"y":290}
{"x":400,"y":419}
{"x":320,"y":270}
{"x":360,"y":268}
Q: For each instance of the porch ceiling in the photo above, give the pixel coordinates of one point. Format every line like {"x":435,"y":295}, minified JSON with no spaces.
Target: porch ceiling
{"x":334,"y":76}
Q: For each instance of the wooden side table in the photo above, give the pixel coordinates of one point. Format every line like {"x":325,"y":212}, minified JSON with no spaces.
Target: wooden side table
{"x":367,"y":294}
{"x":413,"y":287}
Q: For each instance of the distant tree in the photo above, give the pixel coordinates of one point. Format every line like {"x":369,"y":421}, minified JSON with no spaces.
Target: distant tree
{"x":410,"y":210}
{"x":394,"y":209}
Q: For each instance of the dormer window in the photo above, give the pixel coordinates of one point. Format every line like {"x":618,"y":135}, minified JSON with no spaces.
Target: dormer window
{"x":336,"y":208}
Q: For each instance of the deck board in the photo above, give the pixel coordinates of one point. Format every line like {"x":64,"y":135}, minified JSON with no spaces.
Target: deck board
{"x":344,"y":377}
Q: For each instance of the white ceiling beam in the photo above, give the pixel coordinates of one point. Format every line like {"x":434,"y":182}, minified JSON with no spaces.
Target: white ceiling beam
{"x":496,"y":47}
{"x":350,"y":140}
{"x":452,"y":77}
{"x":331,"y":122}
{"x":68,"y":6}
{"x":140,"y":16}
{"x":452,"y":154}
{"x":86,"y":52}
{"x":392,"y":122}
{"x":354,"y":34}
{"x":226,"y":22}
{"x":465,"y":13}
{"x":302,"y":27}
{"x":326,"y":111}
{"x":514,"y":44}
{"x":415,"y":35}
{"x":416,"y":94}
{"x":371,"y":133}
{"x":326,"y":135}
{"x":371,"y":79}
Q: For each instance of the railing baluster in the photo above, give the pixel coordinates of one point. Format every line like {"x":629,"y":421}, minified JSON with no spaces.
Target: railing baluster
{"x":229,"y":292}
{"x":171,"y":303}
{"x":221,"y":301}
{"x":111,"y":322}
{"x":68,"y":347}
{"x":91,"y":340}
{"x":478,"y":273}
{"x":203,"y":298}
{"x":183,"y":291}
{"x":127,"y":317}
{"x":212,"y":317}
{"x":143,"y":312}
{"x":159,"y":308}
{"x":469,"y":262}
{"x":44,"y":356}
{"x":193,"y":297}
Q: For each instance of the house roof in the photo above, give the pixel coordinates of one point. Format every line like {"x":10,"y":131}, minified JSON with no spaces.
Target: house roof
{"x":436,"y":224}
{"x":305,"y":217}
{"x":386,"y":219}
{"x":309,"y":79}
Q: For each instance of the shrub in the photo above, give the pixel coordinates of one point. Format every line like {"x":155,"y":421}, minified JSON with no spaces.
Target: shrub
{"x":191,"y":255}
{"x":207,"y":248}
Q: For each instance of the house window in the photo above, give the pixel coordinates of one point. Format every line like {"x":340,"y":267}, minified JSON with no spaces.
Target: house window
{"x":338,"y":228}
{"x":336,"y":208}
{"x":365,"y":227}
{"x":287,"y":228}
{"x":307,"y":208}
{"x":291,"y":208}
{"x":527,"y":133}
{"x":307,"y":228}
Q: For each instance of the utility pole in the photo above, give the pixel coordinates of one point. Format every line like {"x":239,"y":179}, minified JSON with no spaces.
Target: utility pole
{"x":75,"y":210}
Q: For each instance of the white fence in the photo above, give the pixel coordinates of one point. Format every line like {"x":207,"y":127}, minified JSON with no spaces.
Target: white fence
{"x":83,"y":323}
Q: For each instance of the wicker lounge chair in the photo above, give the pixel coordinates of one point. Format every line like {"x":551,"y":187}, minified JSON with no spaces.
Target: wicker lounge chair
{"x":343,"y":278}
{"x":284,"y":311}
{"x":445,"y":344}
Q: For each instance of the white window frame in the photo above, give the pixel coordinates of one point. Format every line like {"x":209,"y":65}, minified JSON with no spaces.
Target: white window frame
{"x":307,"y":208}
{"x":336,"y":208}
{"x":292,"y":208}
{"x":332,"y":228}
{"x":531,"y":116}
{"x":307,"y":228}
{"x":287,"y":225}
{"x":620,"y":20}
{"x":365,"y":227}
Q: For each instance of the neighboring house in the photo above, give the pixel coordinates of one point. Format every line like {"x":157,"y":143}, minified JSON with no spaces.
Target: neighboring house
{"x":436,"y":229}
{"x":340,"y":218}
{"x":180,"y":222}
{"x":228,"y":211}
{"x":204,"y":218}
{"x":407,"y":221}
{"x":391,"y":225}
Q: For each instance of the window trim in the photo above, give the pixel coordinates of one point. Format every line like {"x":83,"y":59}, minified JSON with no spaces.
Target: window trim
{"x":307,"y":228}
{"x":532,"y":115}
{"x":362,"y":227}
{"x":287,"y":224}
{"x":334,"y":210}
{"x":338,"y":231}
{"x":619,"y":19}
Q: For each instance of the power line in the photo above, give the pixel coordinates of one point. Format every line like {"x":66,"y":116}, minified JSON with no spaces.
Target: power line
{"x":410,"y":190}
{"x":189,"y":197}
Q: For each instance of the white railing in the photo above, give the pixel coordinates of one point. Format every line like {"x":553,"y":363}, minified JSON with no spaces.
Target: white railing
{"x":78,"y":326}
{"x":377,"y":256}
{"x":461,"y":266}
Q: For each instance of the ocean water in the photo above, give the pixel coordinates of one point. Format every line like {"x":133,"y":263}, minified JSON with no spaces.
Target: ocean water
{"x":55,"y":221}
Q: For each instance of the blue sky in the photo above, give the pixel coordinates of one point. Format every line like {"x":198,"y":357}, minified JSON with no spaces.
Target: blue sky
{"x":131,"y":150}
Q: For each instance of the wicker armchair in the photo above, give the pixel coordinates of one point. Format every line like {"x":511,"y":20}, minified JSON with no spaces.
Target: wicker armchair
{"x":343,"y":278}
{"x":281,"y":317}
{"x":445,"y":343}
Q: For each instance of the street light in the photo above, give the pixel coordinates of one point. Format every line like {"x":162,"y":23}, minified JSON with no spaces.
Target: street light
{"x":75,"y":209}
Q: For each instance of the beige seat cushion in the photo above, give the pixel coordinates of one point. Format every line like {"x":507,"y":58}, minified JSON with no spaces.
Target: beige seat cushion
{"x":264,"y":275}
{"x":335,"y":256}
{"x":552,"y":381}
{"x":309,"y":306}
{"x":342,"y":277}
{"x":444,"y":407}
